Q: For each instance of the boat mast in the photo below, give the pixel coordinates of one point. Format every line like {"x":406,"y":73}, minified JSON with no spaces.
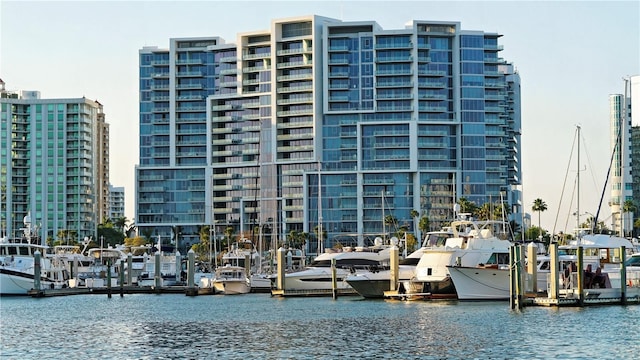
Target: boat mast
{"x":578,"y":188}
{"x":320,"y":237}
{"x":384,"y":230}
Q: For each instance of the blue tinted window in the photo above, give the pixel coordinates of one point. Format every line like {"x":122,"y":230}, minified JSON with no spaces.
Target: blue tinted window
{"x":472,"y":68}
{"x":473,"y":93}
{"x":470,"y":80}
{"x":473,"y":54}
{"x":472,"y":41}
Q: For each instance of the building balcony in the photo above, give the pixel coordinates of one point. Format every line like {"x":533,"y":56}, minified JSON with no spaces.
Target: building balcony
{"x":189,"y":62}
{"x":394,"y":84}
{"x":295,"y":148}
{"x":295,"y":125}
{"x":405,"y":72}
{"x":255,"y":69}
{"x":388,"y":59}
{"x":189,"y":86}
{"x":295,"y":51}
{"x":256,"y":56}
{"x":189,"y":74}
{"x":305,"y":76}
{"x":295,"y":112}
{"x":229,"y":71}
{"x":434,"y":73}
{"x":298,"y":88}
{"x":295,"y":101}
{"x":292,"y":64}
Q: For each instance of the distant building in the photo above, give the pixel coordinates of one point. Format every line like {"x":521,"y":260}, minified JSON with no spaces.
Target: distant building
{"x":635,"y":170}
{"x":53,"y":164}
{"x":116,"y":201}
{"x":621,"y":113}
{"x":389,"y":121}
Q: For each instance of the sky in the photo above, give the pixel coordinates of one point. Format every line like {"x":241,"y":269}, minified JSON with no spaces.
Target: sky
{"x":571,"y":55}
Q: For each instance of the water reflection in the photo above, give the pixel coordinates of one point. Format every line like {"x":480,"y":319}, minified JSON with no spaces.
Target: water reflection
{"x":260,"y":327}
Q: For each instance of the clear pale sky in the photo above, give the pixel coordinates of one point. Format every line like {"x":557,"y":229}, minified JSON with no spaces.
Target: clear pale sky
{"x":570,"y":55}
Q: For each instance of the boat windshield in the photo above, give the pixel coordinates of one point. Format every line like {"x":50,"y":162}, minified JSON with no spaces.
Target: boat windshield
{"x":436,"y":239}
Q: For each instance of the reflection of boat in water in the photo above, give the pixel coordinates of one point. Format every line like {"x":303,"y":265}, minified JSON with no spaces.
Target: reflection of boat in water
{"x":18,"y":266}
{"x":232,"y":280}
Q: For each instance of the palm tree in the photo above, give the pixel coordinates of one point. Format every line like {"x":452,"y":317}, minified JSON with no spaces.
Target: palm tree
{"x":467,"y":206}
{"x":120,"y":223}
{"x":424,"y":224}
{"x":539,"y":205}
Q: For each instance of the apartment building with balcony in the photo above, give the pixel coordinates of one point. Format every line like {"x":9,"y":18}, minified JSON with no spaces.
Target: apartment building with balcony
{"x":52,"y":156}
{"x":621,"y":111}
{"x":388,"y":121}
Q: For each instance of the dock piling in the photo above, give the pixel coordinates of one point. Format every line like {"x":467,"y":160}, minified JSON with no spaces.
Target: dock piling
{"x":334,"y":282}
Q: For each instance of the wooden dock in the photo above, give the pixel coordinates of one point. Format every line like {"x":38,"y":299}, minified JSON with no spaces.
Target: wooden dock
{"x":117,"y":290}
{"x":312,"y":293}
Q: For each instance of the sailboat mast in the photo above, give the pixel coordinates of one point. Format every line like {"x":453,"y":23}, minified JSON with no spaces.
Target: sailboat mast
{"x":384,"y":230}
{"x":320,"y":234}
{"x":578,"y":185}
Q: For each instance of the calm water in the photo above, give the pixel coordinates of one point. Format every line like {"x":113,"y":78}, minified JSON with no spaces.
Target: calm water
{"x":257,"y":326}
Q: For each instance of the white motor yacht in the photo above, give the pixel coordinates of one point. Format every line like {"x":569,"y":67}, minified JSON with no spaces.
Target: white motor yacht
{"x":373,"y":283}
{"x":492,"y":282}
{"x":318,"y":275}
{"x":18,"y":265}
{"x":232,"y":280}
{"x":472,"y":243}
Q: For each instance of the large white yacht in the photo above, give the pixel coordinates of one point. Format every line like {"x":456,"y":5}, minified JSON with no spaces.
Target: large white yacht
{"x":472,"y":243}
{"x":373,"y":283}
{"x":318,"y":275}
{"x":17,"y":265}
{"x":492,"y":282}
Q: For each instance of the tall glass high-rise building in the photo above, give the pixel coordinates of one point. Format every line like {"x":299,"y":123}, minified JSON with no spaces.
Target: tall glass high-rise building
{"x":620,"y":116}
{"x":53,"y":165}
{"x":388,"y":121}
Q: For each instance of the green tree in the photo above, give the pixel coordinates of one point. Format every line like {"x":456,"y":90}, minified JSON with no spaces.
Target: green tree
{"x":424,"y":224}
{"x":229,"y":235}
{"x":539,"y":205}
{"x":203,"y":248}
{"x":120,"y":223}
{"x":467,"y":206}
{"x":147,"y":233}
{"x":391,"y":222}
{"x":108,"y":235}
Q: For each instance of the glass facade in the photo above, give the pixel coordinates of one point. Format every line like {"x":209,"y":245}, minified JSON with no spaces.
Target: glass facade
{"x":53,"y":166}
{"x":388,"y":121}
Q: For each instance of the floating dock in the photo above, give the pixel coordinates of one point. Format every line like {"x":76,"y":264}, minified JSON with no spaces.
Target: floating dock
{"x":118,"y":290}
{"x":313,"y":292}
{"x":628,"y":291}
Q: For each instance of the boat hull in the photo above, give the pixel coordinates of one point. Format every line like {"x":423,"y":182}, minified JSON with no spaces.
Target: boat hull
{"x":232,"y":287}
{"x":14,"y":283}
{"x":474,"y":283}
{"x":316,"y":279}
